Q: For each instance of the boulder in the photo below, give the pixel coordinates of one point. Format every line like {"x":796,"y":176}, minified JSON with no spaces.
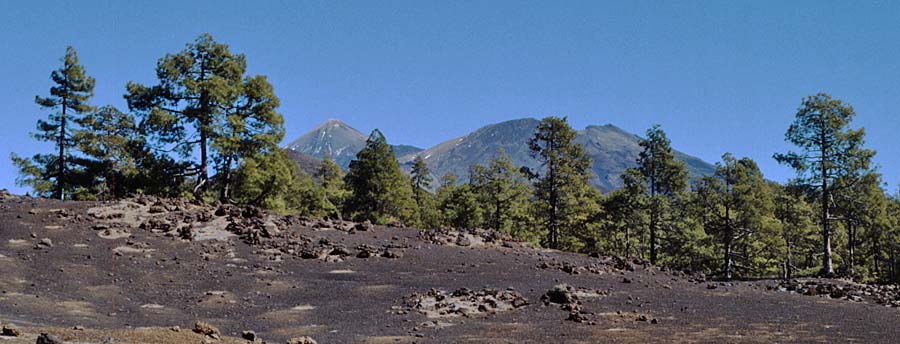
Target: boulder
{"x":45,"y":338}
{"x":560,"y":294}
{"x":363,"y":226}
{"x":270,"y":229}
{"x":10,"y":331}
{"x":391,"y":253}
{"x":249,"y":335}
{"x":206,"y":329}
{"x":301,"y":340}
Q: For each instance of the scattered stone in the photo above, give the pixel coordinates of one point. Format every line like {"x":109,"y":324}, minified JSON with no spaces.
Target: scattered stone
{"x":301,"y":340}
{"x":578,"y":317}
{"x":270,"y":229}
{"x":339,"y":251}
{"x":10,"y":331}
{"x":391,"y":253}
{"x":559,"y":294}
{"x":45,"y":338}
{"x":464,"y":302}
{"x":249,"y":335}
{"x":206,"y":329}
{"x":363,"y":226}
{"x":887,"y":295}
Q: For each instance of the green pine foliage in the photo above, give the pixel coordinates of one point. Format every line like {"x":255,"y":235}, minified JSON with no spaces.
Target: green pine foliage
{"x":331,"y":177}
{"x":664,"y":177}
{"x":564,"y":198}
{"x":57,"y":175}
{"x":205,"y":105}
{"x":505,"y":196}
{"x":459,"y":204}
{"x":829,"y":150}
{"x":738,"y":205}
{"x":379,"y":191}
{"x":426,"y":215}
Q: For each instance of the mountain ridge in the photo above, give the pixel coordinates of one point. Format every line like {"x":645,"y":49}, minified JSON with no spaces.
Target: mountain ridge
{"x":338,"y":140}
{"x":612,"y":149}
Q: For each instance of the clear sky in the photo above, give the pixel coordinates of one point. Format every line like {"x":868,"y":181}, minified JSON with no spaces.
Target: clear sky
{"x":717,"y":75}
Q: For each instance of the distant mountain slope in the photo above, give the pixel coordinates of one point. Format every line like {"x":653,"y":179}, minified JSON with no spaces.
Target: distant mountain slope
{"x":611,"y":148}
{"x":339,"y":140}
{"x":308,"y":164}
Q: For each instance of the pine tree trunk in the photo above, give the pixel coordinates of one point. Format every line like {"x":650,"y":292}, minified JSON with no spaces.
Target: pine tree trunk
{"x":554,"y":200}
{"x":61,"y":174}
{"x":654,"y":213}
{"x":827,"y":268}
{"x":627,"y":242}
{"x":852,"y":247}
{"x":203,"y":177}
{"x":728,"y":242}
{"x":226,"y":187}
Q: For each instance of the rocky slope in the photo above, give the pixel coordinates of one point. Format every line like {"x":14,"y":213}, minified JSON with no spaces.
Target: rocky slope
{"x":148,"y":270}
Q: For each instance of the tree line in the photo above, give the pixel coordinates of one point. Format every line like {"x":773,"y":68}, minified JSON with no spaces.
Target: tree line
{"x":210,"y":132}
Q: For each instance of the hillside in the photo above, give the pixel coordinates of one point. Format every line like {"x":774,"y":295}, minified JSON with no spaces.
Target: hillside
{"x":145,"y":270}
{"x":308,"y":163}
{"x":611,"y":148}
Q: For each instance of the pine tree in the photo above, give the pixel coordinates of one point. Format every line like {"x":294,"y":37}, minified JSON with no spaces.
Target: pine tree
{"x":50,"y":175}
{"x":197,"y":87}
{"x":252,"y":126}
{"x":504,"y":193}
{"x":421,"y":180}
{"x":106,"y":136}
{"x":331,"y":178}
{"x":828,"y":146}
{"x":379,"y":191}
{"x":627,"y":212}
{"x":266,"y":180}
{"x":861,"y":206}
{"x":738,"y":202}
{"x":664,"y":176}
{"x":794,"y":214}
{"x":563,"y":189}
{"x":459,"y":205}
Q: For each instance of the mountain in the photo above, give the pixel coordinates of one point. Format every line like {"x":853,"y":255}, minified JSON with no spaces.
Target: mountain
{"x":611,"y":148}
{"x":308,"y":164}
{"x":339,"y":140}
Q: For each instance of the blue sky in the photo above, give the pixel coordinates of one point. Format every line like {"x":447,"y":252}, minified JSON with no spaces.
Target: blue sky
{"x":717,"y":75}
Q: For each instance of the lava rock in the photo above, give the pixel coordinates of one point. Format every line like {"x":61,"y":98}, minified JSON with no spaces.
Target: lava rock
{"x":301,"y":340}
{"x":206,"y":329}
{"x":560,"y":294}
{"x":249,"y":335}
{"x":45,"y":338}
{"x":10,"y":331}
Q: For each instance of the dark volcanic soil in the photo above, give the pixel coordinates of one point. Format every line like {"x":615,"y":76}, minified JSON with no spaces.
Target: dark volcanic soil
{"x":338,"y":282}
